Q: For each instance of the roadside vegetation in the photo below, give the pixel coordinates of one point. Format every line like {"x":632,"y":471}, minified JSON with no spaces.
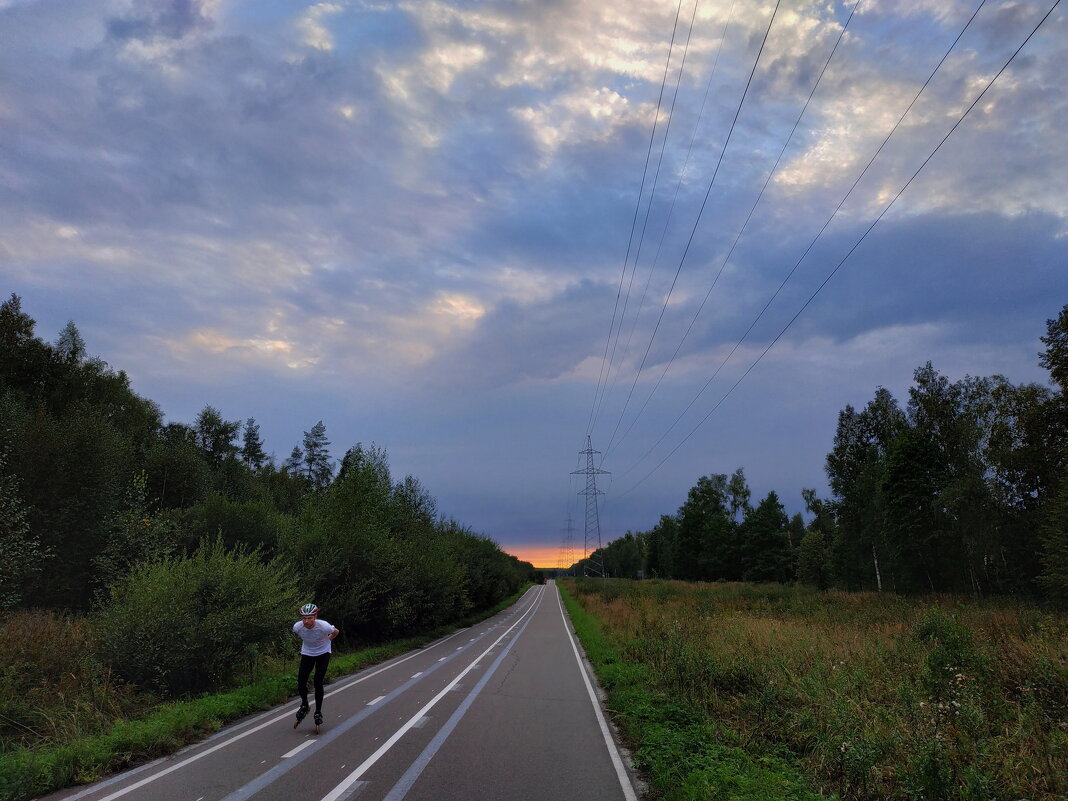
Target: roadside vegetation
{"x":90,"y":724}
{"x":963,"y":490}
{"x":150,"y":571}
{"x":765,"y":691}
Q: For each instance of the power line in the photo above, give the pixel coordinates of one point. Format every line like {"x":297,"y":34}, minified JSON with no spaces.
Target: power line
{"x":649,"y":208}
{"x":708,"y":192}
{"x":630,"y":240}
{"x":855,"y":245}
{"x":815,"y":239}
{"x":730,"y":252}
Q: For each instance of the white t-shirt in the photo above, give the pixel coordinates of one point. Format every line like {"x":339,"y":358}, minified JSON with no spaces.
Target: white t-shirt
{"x":316,"y":639}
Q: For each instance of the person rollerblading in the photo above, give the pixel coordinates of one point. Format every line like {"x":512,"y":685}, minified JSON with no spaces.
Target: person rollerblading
{"x":316,"y":636}
{"x":302,"y":712}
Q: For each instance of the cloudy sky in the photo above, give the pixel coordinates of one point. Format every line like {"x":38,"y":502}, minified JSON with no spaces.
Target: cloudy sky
{"x":474,"y":233}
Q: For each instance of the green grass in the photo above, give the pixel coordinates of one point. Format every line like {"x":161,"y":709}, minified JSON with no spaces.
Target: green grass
{"x":684,"y":753}
{"x":873,"y":697}
{"x":80,"y":758}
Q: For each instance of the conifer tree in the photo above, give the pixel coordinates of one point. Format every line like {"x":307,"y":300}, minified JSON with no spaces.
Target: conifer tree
{"x":318,"y":467}
{"x":70,"y":347}
{"x":252,"y":453}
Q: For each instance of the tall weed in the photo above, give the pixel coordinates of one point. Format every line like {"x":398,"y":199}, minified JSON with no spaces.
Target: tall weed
{"x":51,"y":684}
{"x":881,"y":697}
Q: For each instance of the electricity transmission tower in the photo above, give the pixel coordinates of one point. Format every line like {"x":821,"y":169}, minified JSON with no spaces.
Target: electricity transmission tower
{"x":591,"y":551}
{"x":567,"y":552}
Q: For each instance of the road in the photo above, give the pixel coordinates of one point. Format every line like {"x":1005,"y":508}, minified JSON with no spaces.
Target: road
{"x":502,"y":711}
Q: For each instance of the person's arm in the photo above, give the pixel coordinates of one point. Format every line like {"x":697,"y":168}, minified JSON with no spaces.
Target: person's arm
{"x":333,"y":634}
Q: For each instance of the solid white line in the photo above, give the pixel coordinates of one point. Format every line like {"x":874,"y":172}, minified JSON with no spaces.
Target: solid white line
{"x":613,"y":752}
{"x":271,"y":722}
{"x":298,"y":749}
{"x":338,"y":792}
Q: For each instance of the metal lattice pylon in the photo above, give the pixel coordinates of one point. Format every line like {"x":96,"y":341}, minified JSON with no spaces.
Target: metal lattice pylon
{"x":591,"y":551}
{"x":567,"y":552}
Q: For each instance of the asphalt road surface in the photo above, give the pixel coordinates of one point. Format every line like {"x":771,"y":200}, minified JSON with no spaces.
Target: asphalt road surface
{"x":502,"y":711}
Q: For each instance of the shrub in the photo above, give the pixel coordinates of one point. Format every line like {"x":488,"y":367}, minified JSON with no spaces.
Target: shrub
{"x":188,"y":624}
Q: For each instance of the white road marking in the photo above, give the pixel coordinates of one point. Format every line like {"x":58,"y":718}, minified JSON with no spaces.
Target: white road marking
{"x":339,"y":792}
{"x":298,"y":749}
{"x":613,"y":752}
{"x":372,"y":703}
{"x":271,"y":722}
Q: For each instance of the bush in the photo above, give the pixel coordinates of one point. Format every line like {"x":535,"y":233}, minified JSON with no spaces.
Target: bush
{"x":188,"y":624}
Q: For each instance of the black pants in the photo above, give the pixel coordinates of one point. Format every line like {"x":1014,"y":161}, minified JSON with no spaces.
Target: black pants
{"x":306,"y":663}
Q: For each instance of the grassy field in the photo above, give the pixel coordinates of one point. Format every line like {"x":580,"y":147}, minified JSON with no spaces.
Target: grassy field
{"x":739,"y":691}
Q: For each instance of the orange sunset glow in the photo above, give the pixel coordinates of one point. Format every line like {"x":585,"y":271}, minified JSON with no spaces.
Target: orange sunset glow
{"x":537,"y":555}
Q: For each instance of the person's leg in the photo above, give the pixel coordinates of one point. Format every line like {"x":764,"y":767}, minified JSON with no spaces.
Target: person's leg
{"x":321,"y":663}
{"x":306,"y":664}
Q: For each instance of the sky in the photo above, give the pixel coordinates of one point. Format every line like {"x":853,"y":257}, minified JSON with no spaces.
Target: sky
{"x":474,"y":234}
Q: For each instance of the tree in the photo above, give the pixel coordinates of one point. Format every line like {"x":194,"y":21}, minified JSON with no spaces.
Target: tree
{"x":1054,"y":577}
{"x":135,"y":535}
{"x":70,"y":347}
{"x":252,"y":453}
{"x":294,"y":462}
{"x":952,"y":423}
{"x":706,"y":542}
{"x":1055,"y":357}
{"x":74,"y":471}
{"x":623,"y":557}
{"x":215,"y":436}
{"x":21,"y":553}
{"x":25,"y":361}
{"x":856,"y":470}
{"x":318,"y":467}
{"x":738,"y":495}
{"x":763,"y":546}
{"x":916,"y":530}
{"x":660,"y":548}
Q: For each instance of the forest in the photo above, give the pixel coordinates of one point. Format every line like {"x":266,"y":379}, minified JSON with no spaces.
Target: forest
{"x":963,"y":489}
{"x":111,"y":514}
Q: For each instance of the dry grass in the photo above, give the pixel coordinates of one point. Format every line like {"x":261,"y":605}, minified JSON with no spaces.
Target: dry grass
{"x":52,"y":687}
{"x":881,"y":697}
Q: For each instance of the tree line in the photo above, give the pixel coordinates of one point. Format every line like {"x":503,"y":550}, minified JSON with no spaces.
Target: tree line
{"x":107,"y":510}
{"x":964,"y":489}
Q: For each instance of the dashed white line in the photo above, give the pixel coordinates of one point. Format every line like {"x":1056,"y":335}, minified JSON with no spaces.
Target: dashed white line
{"x":341,"y":791}
{"x":298,"y":749}
{"x":375,"y":701}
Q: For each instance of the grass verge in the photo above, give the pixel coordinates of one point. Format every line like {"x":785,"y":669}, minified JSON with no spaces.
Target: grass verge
{"x":684,"y":754}
{"x":29,"y":772}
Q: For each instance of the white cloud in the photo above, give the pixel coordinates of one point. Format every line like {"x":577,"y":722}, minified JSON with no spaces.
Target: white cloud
{"x":312,"y":26}
{"x":585,"y":115}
